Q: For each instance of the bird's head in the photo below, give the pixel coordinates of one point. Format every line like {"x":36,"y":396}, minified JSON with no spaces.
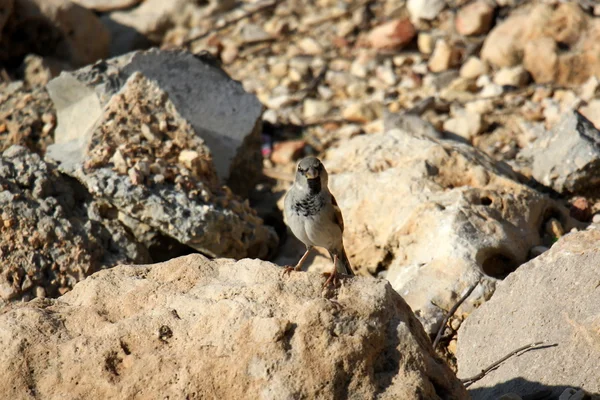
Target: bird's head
{"x":311,"y":174}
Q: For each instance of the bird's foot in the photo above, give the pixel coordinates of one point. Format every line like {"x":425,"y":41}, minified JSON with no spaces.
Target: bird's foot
{"x":332,"y":279}
{"x":288,"y":269}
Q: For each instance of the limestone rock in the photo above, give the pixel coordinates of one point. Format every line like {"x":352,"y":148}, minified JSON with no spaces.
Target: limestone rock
{"x":553,"y":298}
{"x":64,"y":29}
{"x":123,"y":138}
{"x":566,"y":157}
{"x":194,"y":328}
{"x":425,"y":9}
{"x":451,"y":215}
{"x":52,"y":233}
{"x":444,"y":56}
{"x":556,"y":45}
{"x":475,"y":18}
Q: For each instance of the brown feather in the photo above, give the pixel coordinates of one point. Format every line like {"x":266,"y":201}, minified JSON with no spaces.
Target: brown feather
{"x":338,"y":213}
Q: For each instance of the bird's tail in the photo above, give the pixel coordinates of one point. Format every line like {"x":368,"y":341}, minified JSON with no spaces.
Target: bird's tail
{"x":343,"y":265}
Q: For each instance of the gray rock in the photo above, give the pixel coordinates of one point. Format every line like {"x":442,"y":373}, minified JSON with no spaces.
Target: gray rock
{"x":567,"y":157}
{"x":219,"y":110}
{"x":553,"y":298}
{"x":52,"y":233}
{"x":128,"y":143}
{"x":410,"y":123}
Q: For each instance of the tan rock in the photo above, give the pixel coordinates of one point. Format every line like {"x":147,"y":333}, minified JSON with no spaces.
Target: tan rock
{"x":541,"y":59}
{"x":512,"y":76}
{"x":474,"y":210}
{"x":444,"y":56}
{"x":392,"y":35}
{"x":196,"y":328}
{"x":288,"y":151}
{"x":554,"y":299}
{"x":465,"y":124}
{"x":473,"y":68}
{"x":475,"y":18}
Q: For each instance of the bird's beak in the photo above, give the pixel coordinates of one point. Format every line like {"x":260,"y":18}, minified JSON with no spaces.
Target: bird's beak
{"x":312,"y":173}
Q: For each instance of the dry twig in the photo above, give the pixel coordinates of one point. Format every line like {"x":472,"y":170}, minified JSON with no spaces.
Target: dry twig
{"x":469,"y":381}
{"x":452,"y":311}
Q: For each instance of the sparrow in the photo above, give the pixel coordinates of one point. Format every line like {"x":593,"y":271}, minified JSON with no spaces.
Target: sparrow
{"x":314,"y":217}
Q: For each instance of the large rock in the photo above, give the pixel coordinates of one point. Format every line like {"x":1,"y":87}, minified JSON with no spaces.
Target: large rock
{"x":222,"y":115}
{"x":555,"y":45}
{"x":434,"y":217}
{"x":128,"y":140}
{"x":566,"y":157}
{"x":553,"y":298}
{"x":53,"y":27}
{"x":52,"y":233}
{"x":194,"y":328}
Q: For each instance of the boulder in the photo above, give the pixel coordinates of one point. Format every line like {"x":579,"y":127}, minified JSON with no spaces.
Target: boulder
{"x":434,"y":217}
{"x":135,"y":133}
{"x":566,"y":157}
{"x":59,"y":28}
{"x":558,"y":45}
{"x":553,"y":298}
{"x":194,"y":328}
{"x":52,"y":233}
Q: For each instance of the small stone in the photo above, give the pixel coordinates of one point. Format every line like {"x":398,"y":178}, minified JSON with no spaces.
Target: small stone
{"x":313,"y":109}
{"x":452,"y":346}
{"x":473,"y":68}
{"x":135,"y":176}
{"x":491,"y":90}
{"x":512,"y":76}
{"x":474,"y":18}
{"x":188,"y":157}
{"x":357,"y":89}
{"x":425,"y":42}
{"x":425,"y":9}
{"x":386,"y":75}
{"x":149,"y":134}
{"x":581,"y":209}
{"x":279,"y":69}
{"x":310,"y":46}
{"x":288,"y":151}
{"x":596,"y":219}
{"x":554,"y":228}
{"x":573,"y":394}
{"x":444,"y":57}
{"x":40,"y":292}
{"x":464,"y":124}
{"x":592,"y":112}
{"x":392,"y":35}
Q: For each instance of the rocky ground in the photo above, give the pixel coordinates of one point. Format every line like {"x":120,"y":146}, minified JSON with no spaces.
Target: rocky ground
{"x":463,"y":147}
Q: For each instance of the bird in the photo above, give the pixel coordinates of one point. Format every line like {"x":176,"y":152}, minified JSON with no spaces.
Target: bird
{"x":314,"y":217}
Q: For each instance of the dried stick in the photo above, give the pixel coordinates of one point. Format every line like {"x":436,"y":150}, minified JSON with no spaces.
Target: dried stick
{"x":438,"y":336}
{"x":469,"y":381}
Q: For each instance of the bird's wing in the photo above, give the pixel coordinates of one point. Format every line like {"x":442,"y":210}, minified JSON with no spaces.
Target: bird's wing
{"x":337,"y":212}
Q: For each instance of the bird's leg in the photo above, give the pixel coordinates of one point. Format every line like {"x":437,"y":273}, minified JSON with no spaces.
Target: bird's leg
{"x":298,"y":266}
{"x":333,"y":278}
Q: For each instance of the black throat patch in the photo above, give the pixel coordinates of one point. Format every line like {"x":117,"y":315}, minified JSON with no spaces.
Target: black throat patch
{"x":312,"y":203}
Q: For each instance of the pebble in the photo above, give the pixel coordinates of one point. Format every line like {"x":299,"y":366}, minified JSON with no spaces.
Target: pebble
{"x":444,"y":56}
{"x":315,"y":109}
{"x":554,"y":228}
{"x":473,"y":68}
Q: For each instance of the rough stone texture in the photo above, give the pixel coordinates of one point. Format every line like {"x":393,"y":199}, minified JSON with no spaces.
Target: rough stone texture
{"x":218,"y":109}
{"x":52,"y":234}
{"x":451,"y":215}
{"x":139,"y":150}
{"x":106,"y":5}
{"x":553,"y":298}
{"x":475,"y":18}
{"x":556,"y":45}
{"x":58,"y":28}
{"x":425,"y":9}
{"x":566,"y":157}
{"x":27,"y":117}
{"x":194,"y":328}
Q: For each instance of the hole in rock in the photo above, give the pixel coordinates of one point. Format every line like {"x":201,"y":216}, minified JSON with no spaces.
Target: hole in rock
{"x":498,"y":266}
{"x":486,"y":201}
